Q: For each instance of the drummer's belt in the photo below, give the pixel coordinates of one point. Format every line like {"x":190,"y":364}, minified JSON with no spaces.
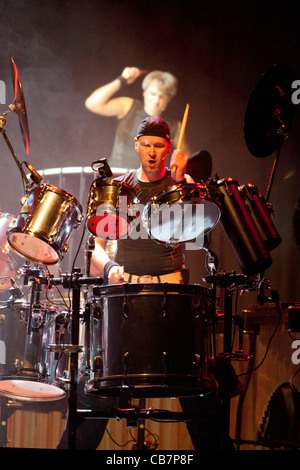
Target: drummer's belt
{"x":175,"y":278}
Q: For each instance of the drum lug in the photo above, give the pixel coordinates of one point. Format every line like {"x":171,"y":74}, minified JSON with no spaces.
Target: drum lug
{"x":125,"y":363}
{"x":164,"y":302}
{"x":125,"y":307}
{"x":43,"y":370}
{"x":164,"y":306}
{"x":196,"y":309}
{"x":98,"y":366}
{"x":65,"y":249}
{"x":18,"y":366}
{"x":164,"y":361}
{"x":196,"y":363}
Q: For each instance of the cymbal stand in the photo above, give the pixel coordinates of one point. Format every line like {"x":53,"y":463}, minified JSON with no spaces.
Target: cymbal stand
{"x":273,"y":171}
{"x":36,"y":178}
{"x":74,"y":365}
{"x":3,"y":132}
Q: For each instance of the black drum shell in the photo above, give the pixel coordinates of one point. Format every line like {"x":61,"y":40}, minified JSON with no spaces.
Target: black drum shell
{"x":261,"y":214}
{"x":153,"y":340}
{"x":240,"y":229}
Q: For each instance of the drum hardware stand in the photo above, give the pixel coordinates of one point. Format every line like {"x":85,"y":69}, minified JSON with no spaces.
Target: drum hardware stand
{"x":74,"y":282}
{"x":3,"y":132}
{"x":272,"y":176}
{"x":36,"y":177}
{"x":230,"y":282}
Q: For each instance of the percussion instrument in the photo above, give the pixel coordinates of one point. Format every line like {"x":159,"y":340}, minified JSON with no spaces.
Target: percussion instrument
{"x":28,"y":370}
{"x":44,"y":225}
{"x":261,"y":213}
{"x":180,"y":214}
{"x":108,"y":214}
{"x":240,"y":228}
{"x":149,"y":339}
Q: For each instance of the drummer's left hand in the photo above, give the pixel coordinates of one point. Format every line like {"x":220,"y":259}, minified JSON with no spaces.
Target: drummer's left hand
{"x":116,"y":275}
{"x":178,"y":165}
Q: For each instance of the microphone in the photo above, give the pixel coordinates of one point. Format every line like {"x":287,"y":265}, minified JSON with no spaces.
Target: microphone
{"x":35,"y":176}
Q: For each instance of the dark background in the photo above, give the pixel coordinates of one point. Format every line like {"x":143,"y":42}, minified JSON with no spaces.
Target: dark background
{"x":218,"y":50}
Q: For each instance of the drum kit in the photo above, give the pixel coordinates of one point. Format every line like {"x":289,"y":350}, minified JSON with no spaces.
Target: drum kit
{"x":139,"y":340}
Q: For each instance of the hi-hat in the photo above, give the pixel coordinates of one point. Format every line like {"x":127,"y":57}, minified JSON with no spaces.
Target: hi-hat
{"x":19,"y":106}
{"x":270,"y":111}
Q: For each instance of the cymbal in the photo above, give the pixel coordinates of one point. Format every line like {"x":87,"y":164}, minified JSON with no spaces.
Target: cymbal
{"x":270,"y":111}
{"x":199,"y":166}
{"x":19,"y":104}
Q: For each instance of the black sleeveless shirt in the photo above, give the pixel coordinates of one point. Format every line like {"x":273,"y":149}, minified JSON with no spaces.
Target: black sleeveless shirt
{"x":141,"y":255}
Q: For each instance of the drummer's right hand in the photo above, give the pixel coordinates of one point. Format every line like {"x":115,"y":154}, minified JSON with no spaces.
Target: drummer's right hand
{"x":130,"y":74}
{"x":116,"y":275}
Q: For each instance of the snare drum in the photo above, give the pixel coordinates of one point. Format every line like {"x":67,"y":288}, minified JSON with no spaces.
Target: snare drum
{"x":44,"y":225}
{"x":109,"y":206}
{"x":150,"y":340}
{"x":181,"y":214}
{"x":28,"y":370}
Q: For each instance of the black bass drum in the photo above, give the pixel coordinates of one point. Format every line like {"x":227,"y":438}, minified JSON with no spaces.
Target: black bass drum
{"x":150,"y":340}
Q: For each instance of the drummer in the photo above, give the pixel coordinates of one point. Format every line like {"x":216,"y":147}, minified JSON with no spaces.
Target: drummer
{"x":159,"y":88}
{"x":143,"y":260}
{"x":140,"y":259}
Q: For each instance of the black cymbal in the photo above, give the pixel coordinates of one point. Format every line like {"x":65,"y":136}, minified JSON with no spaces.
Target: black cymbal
{"x":19,"y":103}
{"x":199,"y":166}
{"x":270,"y":111}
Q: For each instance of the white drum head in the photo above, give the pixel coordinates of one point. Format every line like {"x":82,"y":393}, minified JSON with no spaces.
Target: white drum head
{"x":27,"y":390}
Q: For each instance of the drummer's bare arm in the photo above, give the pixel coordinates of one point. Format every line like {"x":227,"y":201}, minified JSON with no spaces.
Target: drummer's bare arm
{"x":99,"y":260}
{"x":178,"y":163}
{"x":101,"y":101}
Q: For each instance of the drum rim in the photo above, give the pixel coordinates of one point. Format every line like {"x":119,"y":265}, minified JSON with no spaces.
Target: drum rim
{"x":117,"y":184}
{"x":145,"y":220}
{"x":180,"y":186}
{"x":127,"y":288}
{"x":56,"y":189}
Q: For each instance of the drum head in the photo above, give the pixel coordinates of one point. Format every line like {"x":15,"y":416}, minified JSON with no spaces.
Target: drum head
{"x":186,"y":223}
{"x":32,"y":248}
{"x":182,"y":214}
{"x":27,"y":390}
{"x":108,"y":226}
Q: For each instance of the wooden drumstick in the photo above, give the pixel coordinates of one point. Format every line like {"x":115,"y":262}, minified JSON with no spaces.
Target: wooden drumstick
{"x":182,"y":130}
